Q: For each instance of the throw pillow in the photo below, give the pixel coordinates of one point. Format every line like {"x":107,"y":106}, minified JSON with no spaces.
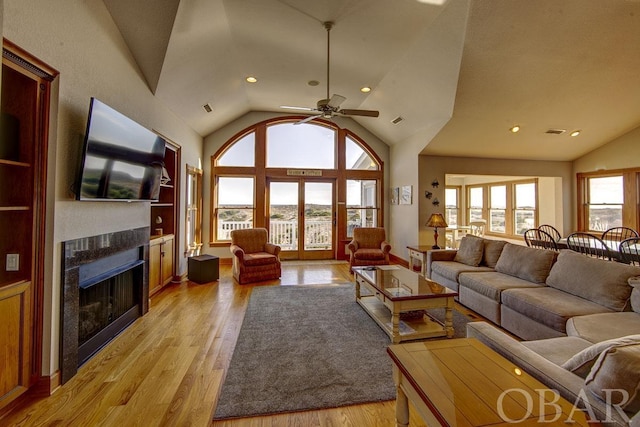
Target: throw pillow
{"x":492,"y":251}
{"x":582,"y":362}
{"x":526,"y":263}
{"x":617,"y":368}
{"x":470,"y":251}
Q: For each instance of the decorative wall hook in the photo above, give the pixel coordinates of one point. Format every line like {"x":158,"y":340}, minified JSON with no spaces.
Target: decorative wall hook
{"x":436,"y":202}
{"x":428,"y":194}
{"x":435,"y":183}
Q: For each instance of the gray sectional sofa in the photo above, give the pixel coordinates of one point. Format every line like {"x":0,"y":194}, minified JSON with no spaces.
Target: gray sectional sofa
{"x":578,"y":318}
{"x":536,"y":293}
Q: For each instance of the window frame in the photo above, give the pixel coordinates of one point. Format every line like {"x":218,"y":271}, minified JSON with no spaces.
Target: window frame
{"x":194,"y":177}
{"x":457,"y":209}
{"x":631,"y":197}
{"x":510,"y":210}
{"x":262,"y":174}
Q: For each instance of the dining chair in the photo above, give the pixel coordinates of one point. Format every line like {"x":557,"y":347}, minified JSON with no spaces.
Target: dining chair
{"x":551,"y":230}
{"x":536,"y":238}
{"x":477,"y":227}
{"x":588,"y":244}
{"x":630,"y":251}
{"x":618,"y":234}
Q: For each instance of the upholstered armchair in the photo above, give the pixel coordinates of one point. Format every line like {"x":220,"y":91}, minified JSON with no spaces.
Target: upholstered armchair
{"x":254,"y":259}
{"x":368,"y":247}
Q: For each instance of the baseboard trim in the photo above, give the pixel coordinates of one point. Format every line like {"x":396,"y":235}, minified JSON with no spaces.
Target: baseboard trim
{"x":397,"y":260}
{"x":46,"y":385}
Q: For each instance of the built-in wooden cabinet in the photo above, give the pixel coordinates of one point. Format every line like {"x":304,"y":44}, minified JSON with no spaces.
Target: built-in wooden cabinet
{"x":23,"y":148}
{"x":161,"y":254}
{"x":164,"y":220}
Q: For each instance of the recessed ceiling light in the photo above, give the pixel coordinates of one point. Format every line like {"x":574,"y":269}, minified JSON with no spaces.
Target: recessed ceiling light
{"x":515,"y":128}
{"x":365,"y":89}
{"x":575,"y":133}
{"x":313,"y":83}
{"x":251,"y":79}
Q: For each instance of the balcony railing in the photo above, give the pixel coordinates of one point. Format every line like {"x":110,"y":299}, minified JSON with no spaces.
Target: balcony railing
{"x":285,"y":233}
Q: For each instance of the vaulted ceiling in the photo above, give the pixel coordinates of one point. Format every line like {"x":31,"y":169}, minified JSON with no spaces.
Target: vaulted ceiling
{"x":485,"y":64}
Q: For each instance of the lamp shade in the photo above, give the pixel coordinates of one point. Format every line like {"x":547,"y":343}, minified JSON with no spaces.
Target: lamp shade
{"x":436,"y":220}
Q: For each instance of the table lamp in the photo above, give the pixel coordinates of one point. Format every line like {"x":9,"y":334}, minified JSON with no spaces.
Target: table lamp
{"x":436,"y":221}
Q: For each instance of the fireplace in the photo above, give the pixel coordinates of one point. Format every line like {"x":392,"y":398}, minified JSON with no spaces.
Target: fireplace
{"x":105,"y":289}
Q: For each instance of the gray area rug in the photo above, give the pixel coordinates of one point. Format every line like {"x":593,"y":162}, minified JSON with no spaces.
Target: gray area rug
{"x":307,"y":347}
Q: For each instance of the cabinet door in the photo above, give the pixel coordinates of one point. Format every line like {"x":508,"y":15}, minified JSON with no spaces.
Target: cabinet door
{"x":15,"y":315}
{"x":155,"y":266}
{"x":167,"y":261}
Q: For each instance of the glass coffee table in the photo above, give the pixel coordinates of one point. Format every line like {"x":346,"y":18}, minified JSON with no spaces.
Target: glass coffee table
{"x":396,"y":300}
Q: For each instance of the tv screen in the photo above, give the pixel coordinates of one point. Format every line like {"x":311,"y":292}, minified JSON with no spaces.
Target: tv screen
{"x":122,"y":160}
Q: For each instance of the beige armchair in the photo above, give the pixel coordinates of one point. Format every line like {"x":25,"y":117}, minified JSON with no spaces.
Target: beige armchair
{"x":254,"y":259}
{"x":368,"y":247}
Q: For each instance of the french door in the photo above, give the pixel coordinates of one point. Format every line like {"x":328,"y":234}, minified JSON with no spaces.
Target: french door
{"x":302,"y":217}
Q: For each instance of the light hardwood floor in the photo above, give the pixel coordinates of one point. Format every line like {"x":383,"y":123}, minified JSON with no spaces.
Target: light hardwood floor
{"x":168,"y":367}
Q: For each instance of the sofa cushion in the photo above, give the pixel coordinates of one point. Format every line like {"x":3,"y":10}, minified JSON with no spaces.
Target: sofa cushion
{"x":451,"y":269}
{"x":260,"y":258}
{"x":604,"y":326}
{"x":597,"y":280}
{"x":470,"y":251}
{"x":635,"y":293}
{"x":558,"y":350}
{"x":526,"y":263}
{"x":582,"y":362}
{"x":617,"y":368}
{"x":549,"y":306}
{"x":492,"y":252}
{"x":491,"y":284}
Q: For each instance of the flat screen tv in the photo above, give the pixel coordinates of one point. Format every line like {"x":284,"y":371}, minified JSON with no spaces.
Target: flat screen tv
{"x":122,"y":160}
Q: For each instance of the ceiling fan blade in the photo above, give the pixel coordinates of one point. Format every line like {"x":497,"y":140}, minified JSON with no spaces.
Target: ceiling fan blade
{"x":366,"y":113}
{"x":289,"y":107}
{"x":336,"y":100}
{"x":307,"y":119}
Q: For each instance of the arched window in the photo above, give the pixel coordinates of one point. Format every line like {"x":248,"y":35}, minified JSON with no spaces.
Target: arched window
{"x":333,"y":183}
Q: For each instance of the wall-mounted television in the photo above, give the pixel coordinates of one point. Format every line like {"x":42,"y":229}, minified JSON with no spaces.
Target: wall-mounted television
{"x":121,"y":160}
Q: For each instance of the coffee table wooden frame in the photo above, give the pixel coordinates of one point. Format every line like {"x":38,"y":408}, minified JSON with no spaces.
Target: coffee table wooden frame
{"x":385,"y":309}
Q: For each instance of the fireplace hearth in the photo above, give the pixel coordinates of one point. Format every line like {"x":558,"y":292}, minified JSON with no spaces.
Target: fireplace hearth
{"x":105,"y":290}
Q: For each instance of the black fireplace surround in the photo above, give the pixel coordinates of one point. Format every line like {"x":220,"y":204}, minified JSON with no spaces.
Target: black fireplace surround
{"x":105,"y":289}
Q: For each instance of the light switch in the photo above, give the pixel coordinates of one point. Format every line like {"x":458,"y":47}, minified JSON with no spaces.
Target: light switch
{"x":13,"y":262}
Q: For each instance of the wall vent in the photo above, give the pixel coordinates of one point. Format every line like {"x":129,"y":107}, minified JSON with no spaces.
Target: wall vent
{"x":397,"y":120}
{"x":556,"y":131}
{"x":207,"y":108}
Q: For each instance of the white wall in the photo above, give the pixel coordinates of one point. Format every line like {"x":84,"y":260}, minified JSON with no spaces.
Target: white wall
{"x":621,"y":153}
{"x":81,"y":41}
{"x":217,"y":139}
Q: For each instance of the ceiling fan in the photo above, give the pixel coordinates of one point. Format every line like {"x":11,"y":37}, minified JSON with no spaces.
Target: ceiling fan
{"x":329,"y":107}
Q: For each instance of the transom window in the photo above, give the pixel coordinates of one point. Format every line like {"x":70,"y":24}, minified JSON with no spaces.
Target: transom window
{"x":301,"y":146}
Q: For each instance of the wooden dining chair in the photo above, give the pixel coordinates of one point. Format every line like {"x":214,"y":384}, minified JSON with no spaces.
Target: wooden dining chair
{"x":630,"y":251}
{"x":551,"y":230}
{"x":588,"y":244}
{"x":536,"y":238}
{"x":618,"y":234}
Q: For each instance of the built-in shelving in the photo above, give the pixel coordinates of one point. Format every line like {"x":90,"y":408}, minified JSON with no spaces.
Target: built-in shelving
{"x":164,"y":220}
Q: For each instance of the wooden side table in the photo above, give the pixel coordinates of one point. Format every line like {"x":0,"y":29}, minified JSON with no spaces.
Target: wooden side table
{"x":462,"y":382}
